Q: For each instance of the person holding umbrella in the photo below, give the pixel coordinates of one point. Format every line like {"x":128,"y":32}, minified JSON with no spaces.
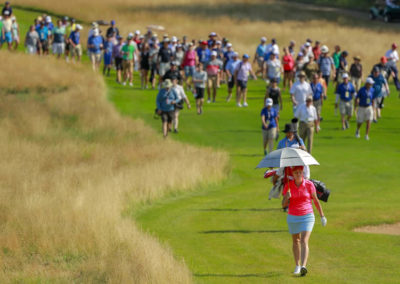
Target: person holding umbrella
{"x":298,"y":195}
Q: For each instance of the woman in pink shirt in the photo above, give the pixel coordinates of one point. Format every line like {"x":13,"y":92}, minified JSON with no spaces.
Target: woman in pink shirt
{"x":189,"y":64}
{"x":298,"y":194}
{"x":288,"y":68}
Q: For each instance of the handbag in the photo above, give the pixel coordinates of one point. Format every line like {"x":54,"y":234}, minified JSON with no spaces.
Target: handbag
{"x":322,"y":192}
{"x":179,"y":105}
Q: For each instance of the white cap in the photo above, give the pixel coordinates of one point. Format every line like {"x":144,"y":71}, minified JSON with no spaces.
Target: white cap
{"x":174,"y":39}
{"x":307,"y":44}
{"x":324,"y":49}
{"x":218,"y":42}
{"x":6,"y":12}
{"x":263,"y":39}
{"x":269,"y":102}
{"x":130,"y":35}
{"x":214,"y":53}
{"x":235,"y":54}
{"x":78,"y":27}
{"x":229,"y":44}
{"x":137,"y":32}
{"x":96,"y":32}
{"x":370,"y":81}
{"x":345,"y":75}
{"x":94,"y":24}
{"x":213,"y":34}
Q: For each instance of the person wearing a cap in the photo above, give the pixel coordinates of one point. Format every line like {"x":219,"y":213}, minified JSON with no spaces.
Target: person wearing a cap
{"x":95,"y":45}
{"x":288,"y":68}
{"x":306,"y":49}
{"x":189,"y":64}
{"x":75,"y":42}
{"x":7,"y":29}
{"x":212,"y":38}
{"x":59,"y":39}
{"x":356,"y":73}
{"x":165,"y":103}
{"x":213,"y":69}
{"x":274,"y":92}
{"x":272,"y":68}
{"x":173,"y":73}
{"x":381,"y":90}
{"x":299,"y":193}
{"x":291,"y":140}
{"x":242,"y":71}
{"x":345,"y":93}
{"x":392,"y":57}
{"x":44,"y":39}
{"x":128,"y":60}
{"x":269,"y":125}
{"x":199,"y":81}
{"x":107,"y":55}
{"x":271,"y":48}
{"x":112,"y":31}
{"x":95,"y":26}
{"x":32,"y":40}
{"x":318,"y":96}
{"x":316,"y":50}
{"x":300,"y":90}
{"x":307,"y":115}
{"x":326,"y":65}
{"x":180,"y":100}
{"x":164,"y":59}
{"x":49,"y":24}
{"x":204,"y":53}
{"x":383,"y":68}
{"x":7,"y":9}
{"x":343,"y":66}
{"x":228,"y":55}
{"x":363,"y":107}
{"x":259,"y":55}
{"x":230,"y":73}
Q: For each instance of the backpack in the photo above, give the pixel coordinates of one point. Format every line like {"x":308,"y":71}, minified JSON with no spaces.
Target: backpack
{"x":322,"y":192}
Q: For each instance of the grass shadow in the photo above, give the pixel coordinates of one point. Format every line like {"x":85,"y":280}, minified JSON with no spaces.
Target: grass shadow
{"x":247,"y":275}
{"x":238,"y":209}
{"x":242,"y":231}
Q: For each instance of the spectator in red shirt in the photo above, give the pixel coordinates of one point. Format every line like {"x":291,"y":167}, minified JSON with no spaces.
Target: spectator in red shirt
{"x":298,"y":194}
{"x":316,"y":50}
{"x":288,"y":68}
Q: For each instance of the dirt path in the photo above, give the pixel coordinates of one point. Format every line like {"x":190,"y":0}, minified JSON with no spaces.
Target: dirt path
{"x":389,"y":229}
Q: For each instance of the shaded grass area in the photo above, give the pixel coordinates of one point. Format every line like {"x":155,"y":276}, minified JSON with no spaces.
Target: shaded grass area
{"x":354,"y":4}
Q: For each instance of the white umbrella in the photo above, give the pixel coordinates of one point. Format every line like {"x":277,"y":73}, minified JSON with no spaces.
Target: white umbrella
{"x":287,"y":157}
{"x":155,"y":27}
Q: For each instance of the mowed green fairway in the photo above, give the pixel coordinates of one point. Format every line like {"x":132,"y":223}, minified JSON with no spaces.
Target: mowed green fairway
{"x":232,"y":233}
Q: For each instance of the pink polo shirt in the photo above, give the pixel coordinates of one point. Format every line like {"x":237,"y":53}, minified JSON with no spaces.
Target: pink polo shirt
{"x":301,"y":197}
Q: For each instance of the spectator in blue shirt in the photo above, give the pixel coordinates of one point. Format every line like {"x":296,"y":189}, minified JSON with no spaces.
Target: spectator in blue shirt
{"x":291,"y":140}
{"x":259,"y":55}
{"x":381,"y":90}
{"x":345,"y":94}
{"x":318,"y":92}
{"x":230,"y":72}
{"x":364,"y":104}
{"x":75,"y":42}
{"x":204,"y":54}
{"x":95,"y":45}
{"x":44,"y":38}
{"x":326,"y":64}
{"x":270,"y":125}
{"x":166,"y":100}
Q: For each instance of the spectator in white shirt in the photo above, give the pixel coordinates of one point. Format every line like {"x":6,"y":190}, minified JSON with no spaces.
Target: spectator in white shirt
{"x":392,"y":57}
{"x":307,"y":115}
{"x":300,"y":91}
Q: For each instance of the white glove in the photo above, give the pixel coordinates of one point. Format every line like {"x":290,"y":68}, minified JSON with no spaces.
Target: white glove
{"x":323,"y":221}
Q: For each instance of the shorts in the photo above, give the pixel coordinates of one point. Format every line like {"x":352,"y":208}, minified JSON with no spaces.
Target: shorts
{"x":77,"y":50}
{"x":356,"y":82}
{"x":45,"y":45}
{"x":298,"y":224}
{"x":231,"y":83}
{"x":95,"y":57}
{"x":118,"y":63}
{"x":277,"y":79}
{"x":260,"y":61}
{"x":288,"y":73}
{"x":58,"y":48}
{"x":164,"y":67}
{"x":364,"y":114}
{"x":346,"y":108}
{"x":107,"y":58}
{"x":16,"y":38}
{"x":378,"y":102}
{"x":8,"y":37}
{"x":199,"y":93}
{"x":269,"y":134}
{"x":31,"y":49}
{"x":212,"y":81}
{"x":68,"y":46}
{"x":189,"y":71}
{"x":144,"y":65}
{"x":167,"y":116}
{"x":127,"y":66}
{"x":276,"y":108}
{"x":318,"y":106}
{"x":242,"y":84}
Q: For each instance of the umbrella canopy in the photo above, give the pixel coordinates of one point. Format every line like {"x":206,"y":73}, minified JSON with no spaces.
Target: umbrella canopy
{"x":287,"y":157}
{"x":155,"y":27}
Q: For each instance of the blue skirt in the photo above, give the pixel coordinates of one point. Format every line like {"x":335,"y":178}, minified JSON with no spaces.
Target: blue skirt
{"x":298,"y":224}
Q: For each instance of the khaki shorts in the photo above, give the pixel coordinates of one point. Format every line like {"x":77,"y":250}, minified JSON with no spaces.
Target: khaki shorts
{"x":269,"y":134}
{"x":95,"y":57}
{"x":260,"y":61}
{"x":346,"y":108}
{"x":212,"y":81}
{"x":364,"y":114}
{"x":77,"y":50}
{"x":356,"y":82}
{"x":127,"y":65}
{"x":318,"y":106}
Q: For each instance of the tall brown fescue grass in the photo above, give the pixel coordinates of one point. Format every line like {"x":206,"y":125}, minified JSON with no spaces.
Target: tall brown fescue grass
{"x":69,"y":166}
{"x":242,"y":21}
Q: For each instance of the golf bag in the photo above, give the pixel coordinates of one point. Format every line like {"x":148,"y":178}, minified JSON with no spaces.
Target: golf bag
{"x":322,"y":192}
